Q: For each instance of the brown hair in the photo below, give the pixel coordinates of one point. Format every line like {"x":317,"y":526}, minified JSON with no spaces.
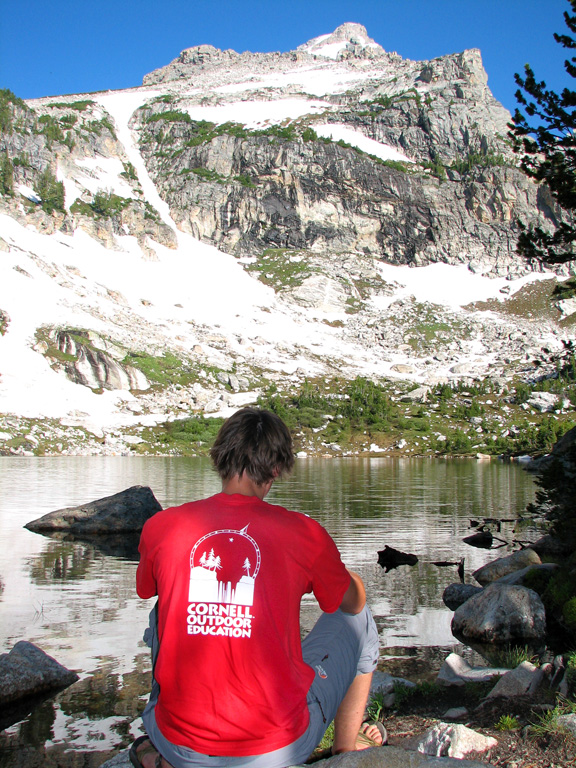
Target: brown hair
{"x":253,"y":441}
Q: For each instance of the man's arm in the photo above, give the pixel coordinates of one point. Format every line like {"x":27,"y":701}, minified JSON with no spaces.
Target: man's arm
{"x":354,"y":598}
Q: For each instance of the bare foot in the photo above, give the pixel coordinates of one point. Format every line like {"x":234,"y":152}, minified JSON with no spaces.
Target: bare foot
{"x":149,"y":756}
{"x":370,"y":735}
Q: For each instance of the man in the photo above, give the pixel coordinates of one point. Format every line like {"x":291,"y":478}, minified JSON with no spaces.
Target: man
{"x":233,"y":685}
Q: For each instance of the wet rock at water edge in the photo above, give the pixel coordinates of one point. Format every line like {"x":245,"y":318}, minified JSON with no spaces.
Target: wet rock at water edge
{"x":493,"y":571}
{"x":501,"y":613}
{"x":27,"y":671}
{"x":127,"y":510}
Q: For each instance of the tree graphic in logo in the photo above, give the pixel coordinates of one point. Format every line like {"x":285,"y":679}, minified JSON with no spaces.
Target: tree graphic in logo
{"x":223,"y":568}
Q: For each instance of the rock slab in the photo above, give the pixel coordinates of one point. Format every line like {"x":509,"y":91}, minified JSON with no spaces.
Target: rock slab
{"x":126,"y":511}
{"x":378,"y":757}
{"x":456,"y":671}
{"x":27,"y":671}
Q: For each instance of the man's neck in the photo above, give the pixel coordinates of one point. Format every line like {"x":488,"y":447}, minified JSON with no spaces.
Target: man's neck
{"x":245,"y":486}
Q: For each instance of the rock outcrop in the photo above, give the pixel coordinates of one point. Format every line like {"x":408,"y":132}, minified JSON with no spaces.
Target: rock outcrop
{"x":379,"y":757}
{"x":126,"y":511}
{"x":27,"y":671}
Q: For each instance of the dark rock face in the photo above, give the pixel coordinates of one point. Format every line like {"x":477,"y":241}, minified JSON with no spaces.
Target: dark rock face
{"x":28,"y":671}
{"x":126,"y":511}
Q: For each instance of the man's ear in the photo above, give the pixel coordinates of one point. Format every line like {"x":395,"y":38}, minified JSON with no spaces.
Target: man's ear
{"x":275,"y":473}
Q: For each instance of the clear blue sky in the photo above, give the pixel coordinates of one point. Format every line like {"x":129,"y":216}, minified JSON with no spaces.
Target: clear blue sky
{"x":75,"y":46}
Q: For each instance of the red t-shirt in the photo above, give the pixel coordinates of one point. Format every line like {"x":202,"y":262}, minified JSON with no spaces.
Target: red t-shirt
{"x":230,"y":572}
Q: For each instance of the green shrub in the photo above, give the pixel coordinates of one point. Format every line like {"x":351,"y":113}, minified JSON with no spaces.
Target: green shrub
{"x":79,"y":106}
{"x":245,"y":180}
{"x":105,"y":205}
{"x":478,"y":160}
{"x":569,"y":614}
{"x":206,"y":174}
{"x":170,"y":116}
{"x":309,"y":134}
{"x":7,"y":103}
{"x":6,"y":176}
{"x":507,"y":723}
{"x":51,"y":192}
{"x":51,"y":129}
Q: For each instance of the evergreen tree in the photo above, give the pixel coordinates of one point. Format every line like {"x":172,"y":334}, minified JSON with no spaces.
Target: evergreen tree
{"x":6,"y":176}
{"x":51,"y":191}
{"x":545,"y":137}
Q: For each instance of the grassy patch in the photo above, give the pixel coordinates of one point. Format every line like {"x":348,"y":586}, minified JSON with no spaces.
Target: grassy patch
{"x":161,"y":370}
{"x":281,"y":268}
{"x":79,"y":106}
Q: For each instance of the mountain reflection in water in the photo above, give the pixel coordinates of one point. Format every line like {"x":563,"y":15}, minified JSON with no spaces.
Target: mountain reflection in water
{"x":76,"y":599}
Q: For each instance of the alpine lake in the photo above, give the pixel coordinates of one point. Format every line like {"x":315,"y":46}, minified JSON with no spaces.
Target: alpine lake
{"x":77,"y":601}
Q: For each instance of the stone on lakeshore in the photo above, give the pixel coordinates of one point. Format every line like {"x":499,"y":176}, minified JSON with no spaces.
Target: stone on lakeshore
{"x":457,"y":671}
{"x":525,"y":679}
{"x":450,"y":740}
{"x":518,"y":577}
{"x":127,"y":510}
{"x":377,"y":757}
{"x":501,"y":613}
{"x":505,"y":565}
{"x":456,"y":594}
{"x":27,"y":671}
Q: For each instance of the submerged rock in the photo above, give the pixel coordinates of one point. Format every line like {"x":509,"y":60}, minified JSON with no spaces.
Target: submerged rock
{"x":27,"y":671}
{"x":124,"y":511}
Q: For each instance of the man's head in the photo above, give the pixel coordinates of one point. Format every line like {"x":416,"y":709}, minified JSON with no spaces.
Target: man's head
{"x":253,"y":442}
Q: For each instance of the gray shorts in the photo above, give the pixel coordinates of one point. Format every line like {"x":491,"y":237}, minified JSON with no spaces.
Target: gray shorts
{"x":339,"y":647}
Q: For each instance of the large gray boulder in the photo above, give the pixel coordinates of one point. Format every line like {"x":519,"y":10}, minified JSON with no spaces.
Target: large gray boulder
{"x":27,"y":671}
{"x":501,"y":613}
{"x":505,"y":565}
{"x":377,"y":757}
{"x":126,"y":511}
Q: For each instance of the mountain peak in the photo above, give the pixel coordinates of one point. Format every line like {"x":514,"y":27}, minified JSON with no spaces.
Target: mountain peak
{"x":347,"y":39}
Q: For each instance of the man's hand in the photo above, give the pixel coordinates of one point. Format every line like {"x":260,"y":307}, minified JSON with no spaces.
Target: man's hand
{"x":354,"y":598}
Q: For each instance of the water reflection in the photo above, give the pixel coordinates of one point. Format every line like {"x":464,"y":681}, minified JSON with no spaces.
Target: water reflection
{"x":76,"y":599}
